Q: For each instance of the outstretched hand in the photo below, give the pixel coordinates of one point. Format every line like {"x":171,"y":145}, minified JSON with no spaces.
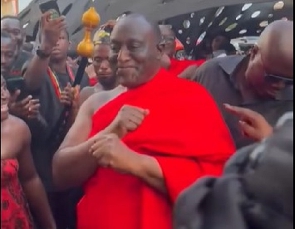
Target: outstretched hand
{"x":253,"y":124}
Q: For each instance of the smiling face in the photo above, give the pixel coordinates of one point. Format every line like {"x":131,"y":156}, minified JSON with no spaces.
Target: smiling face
{"x":13,"y":27}
{"x":134,"y":51}
{"x":4,"y":99}
{"x":102,"y":68}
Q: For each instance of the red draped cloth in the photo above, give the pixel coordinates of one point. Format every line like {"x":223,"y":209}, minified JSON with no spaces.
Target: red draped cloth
{"x":184,"y":132}
{"x":178,"y":66}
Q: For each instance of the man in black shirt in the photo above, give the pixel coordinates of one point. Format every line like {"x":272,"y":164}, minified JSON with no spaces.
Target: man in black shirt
{"x":260,"y":81}
{"x":52,"y":86}
{"x":12,"y":25}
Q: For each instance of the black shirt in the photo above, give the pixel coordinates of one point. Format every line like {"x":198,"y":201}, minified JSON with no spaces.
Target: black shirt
{"x":218,"y":77}
{"x":23,"y":58}
{"x":51,"y":109}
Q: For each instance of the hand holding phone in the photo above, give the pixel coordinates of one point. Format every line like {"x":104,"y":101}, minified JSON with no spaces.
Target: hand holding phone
{"x":51,"y":25}
{"x":52,"y":7}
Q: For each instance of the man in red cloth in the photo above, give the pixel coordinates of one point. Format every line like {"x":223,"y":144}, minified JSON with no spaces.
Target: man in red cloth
{"x":137,"y":152}
{"x":169,"y":40}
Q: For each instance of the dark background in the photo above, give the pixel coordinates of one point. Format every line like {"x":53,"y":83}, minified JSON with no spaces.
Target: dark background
{"x":201,"y":16}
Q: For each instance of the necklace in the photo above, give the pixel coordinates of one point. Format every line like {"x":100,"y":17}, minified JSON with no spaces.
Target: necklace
{"x":54,"y":79}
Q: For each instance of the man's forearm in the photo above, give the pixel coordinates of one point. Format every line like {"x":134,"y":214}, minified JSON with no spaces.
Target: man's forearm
{"x":73,"y":165}
{"x":148,"y":169}
{"x":36,"y":69}
{"x":36,"y":196}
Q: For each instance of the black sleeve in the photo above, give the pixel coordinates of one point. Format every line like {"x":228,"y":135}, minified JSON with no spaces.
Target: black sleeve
{"x":206,"y":72}
{"x":38,"y":127}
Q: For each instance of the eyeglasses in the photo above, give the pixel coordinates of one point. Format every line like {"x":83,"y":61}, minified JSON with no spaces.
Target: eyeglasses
{"x":275,"y":79}
{"x":168,"y":39}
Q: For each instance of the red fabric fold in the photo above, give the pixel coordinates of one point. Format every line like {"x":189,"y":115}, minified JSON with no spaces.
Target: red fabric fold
{"x":184,"y":132}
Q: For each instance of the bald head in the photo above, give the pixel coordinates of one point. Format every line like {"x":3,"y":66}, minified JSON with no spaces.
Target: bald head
{"x":144,"y":22}
{"x":270,"y":65}
{"x":276,"y":43}
{"x":135,"y":49}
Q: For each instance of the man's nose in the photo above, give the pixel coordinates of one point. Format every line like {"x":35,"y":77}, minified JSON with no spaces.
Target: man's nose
{"x":123,"y":55}
{"x":104,"y":64}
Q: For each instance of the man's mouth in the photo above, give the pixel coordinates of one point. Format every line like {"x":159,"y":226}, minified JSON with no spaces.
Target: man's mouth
{"x":55,"y":50}
{"x":124,"y":67}
{"x":104,"y":75}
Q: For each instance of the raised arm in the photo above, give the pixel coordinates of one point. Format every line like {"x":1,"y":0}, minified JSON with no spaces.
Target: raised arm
{"x":50,"y":32}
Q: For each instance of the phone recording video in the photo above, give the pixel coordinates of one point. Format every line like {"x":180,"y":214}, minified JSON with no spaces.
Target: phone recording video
{"x":52,"y":7}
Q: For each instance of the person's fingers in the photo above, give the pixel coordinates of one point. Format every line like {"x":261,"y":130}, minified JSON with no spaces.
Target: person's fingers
{"x":135,"y":119}
{"x":66,"y":102}
{"x":241,"y":111}
{"x":34,"y":102}
{"x":34,"y":107}
{"x":248,"y":130}
{"x":134,"y":109}
{"x":97,"y":144}
{"x":15,"y":95}
{"x":131,"y":126}
{"x":45,"y":17}
{"x":26,"y":100}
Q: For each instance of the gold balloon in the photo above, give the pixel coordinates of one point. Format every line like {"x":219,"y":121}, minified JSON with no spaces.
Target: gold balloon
{"x":90,"y":21}
{"x":90,"y":18}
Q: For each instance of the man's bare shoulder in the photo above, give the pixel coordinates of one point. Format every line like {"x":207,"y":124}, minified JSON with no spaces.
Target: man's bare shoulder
{"x":87,"y":90}
{"x":98,"y":99}
{"x":94,"y":101}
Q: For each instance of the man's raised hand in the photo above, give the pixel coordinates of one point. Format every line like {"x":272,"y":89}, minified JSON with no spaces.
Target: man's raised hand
{"x":51,"y":29}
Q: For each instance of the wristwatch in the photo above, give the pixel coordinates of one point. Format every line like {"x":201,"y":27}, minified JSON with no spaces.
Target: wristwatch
{"x":41,"y":54}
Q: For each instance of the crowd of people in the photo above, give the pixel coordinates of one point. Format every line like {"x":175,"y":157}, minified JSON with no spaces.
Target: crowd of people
{"x":145,"y":141}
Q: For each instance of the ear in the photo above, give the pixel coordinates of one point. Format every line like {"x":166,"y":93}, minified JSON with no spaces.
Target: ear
{"x":160,"y":48}
{"x":253,"y":52}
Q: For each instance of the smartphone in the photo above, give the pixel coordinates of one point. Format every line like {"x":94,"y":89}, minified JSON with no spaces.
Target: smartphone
{"x":15,"y":83}
{"x":50,"y":6}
